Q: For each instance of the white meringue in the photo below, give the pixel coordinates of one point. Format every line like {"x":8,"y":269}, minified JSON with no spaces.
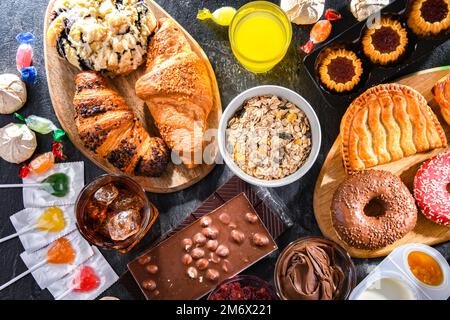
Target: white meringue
{"x":13,"y":93}
{"x":303,"y":11}
{"x":17,"y":143}
{"x":362,"y":9}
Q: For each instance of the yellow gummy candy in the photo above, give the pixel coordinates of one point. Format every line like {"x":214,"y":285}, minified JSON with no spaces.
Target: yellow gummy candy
{"x":51,"y":220}
{"x":221,"y":16}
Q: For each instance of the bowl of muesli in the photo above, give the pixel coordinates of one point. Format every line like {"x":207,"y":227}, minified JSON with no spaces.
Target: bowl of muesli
{"x":269,"y":136}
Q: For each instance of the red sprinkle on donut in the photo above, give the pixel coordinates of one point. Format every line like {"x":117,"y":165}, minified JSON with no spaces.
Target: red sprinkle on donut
{"x":430,"y":189}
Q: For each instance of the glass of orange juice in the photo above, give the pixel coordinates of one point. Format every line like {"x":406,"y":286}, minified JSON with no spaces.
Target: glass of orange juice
{"x":260,"y":35}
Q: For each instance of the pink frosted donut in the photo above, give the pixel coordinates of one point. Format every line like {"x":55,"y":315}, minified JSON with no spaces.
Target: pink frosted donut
{"x":430,"y":189}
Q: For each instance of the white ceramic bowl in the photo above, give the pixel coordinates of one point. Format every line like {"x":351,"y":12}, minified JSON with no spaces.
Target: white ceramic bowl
{"x":284,"y":93}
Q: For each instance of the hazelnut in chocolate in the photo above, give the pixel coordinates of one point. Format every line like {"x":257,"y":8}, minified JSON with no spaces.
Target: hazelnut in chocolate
{"x":191,"y":262}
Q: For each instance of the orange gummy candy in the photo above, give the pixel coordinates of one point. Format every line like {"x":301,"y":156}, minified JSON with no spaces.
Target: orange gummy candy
{"x":61,"y":252}
{"x":42,"y":163}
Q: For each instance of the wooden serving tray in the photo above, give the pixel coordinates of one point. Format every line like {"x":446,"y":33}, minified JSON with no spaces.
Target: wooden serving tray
{"x":60,"y":78}
{"x":333,"y":174}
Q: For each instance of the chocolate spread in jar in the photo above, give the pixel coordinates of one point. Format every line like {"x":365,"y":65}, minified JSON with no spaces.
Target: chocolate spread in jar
{"x":308,"y":271}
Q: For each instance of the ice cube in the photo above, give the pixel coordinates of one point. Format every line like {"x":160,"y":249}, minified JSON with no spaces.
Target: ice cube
{"x":126,"y":200}
{"x":106,"y":194}
{"x":124,"y":224}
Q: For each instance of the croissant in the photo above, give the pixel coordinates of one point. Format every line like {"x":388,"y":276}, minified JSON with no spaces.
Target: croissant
{"x":108,"y":127}
{"x":177,"y":89}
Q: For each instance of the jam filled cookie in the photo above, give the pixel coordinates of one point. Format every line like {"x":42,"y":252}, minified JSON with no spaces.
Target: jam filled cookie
{"x":429,"y":17}
{"x":385,"y":42}
{"x":340,"y":70}
{"x":109,"y":36}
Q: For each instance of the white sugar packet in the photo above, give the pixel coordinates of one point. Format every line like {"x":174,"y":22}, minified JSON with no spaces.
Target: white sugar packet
{"x":62,"y":289}
{"x":36,"y":239}
{"x":49,"y":273}
{"x":37,"y":198}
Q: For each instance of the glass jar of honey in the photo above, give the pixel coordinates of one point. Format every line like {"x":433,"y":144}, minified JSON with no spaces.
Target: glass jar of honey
{"x":260,"y":35}
{"x":113,"y":212}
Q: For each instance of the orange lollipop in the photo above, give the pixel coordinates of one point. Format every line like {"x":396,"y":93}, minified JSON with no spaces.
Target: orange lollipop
{"x":61,"y":252}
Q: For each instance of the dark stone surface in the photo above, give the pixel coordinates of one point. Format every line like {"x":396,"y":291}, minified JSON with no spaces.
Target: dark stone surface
{"x":22,"y":15}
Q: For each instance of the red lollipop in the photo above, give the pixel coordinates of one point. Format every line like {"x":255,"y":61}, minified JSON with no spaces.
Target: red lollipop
{"x":85,"y":280}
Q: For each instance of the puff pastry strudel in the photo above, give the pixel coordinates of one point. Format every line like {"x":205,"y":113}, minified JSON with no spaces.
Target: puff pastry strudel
{"x":387,"y":123}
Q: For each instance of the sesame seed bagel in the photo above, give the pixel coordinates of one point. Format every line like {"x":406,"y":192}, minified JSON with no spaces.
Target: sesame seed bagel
{"x":358,"y":230}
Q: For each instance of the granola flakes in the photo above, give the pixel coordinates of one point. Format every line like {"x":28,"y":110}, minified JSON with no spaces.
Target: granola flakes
{"x":269,"y":138}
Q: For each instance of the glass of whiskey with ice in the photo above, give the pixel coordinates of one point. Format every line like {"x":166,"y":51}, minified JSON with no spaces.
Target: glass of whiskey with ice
{"x":113,"y":212}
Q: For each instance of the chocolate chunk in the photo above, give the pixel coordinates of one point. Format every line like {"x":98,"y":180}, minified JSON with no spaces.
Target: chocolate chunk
{"x":237,"y":236}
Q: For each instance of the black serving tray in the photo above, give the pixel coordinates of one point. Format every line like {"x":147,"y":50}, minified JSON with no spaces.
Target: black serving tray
{"x":373,"y":74}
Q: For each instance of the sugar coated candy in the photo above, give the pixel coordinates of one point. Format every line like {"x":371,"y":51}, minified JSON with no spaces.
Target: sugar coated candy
{"x":124,"y":224}
{"x":51,"y":220}
{"x":85,"y":280}
{"x":61,"y":252}
{"x":56,"y":184}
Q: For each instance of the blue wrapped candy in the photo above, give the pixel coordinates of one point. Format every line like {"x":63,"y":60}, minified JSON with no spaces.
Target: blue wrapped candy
{"x":29,"y":75}
{"x":25,"y":37}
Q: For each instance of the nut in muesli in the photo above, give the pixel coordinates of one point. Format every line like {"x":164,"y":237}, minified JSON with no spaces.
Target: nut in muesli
{"x":269,"y":138}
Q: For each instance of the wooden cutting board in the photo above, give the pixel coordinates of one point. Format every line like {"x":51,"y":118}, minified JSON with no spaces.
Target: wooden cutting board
{"x":60,"y":78}
{"x":333,"y":174}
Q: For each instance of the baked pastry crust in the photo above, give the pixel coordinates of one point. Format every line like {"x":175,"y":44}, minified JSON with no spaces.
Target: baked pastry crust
{"x":346,"y":76}
{"x":436,"y":21}
{"x":385,"y":42}
{"x":441,"y":93}
{"x":387,"y":123}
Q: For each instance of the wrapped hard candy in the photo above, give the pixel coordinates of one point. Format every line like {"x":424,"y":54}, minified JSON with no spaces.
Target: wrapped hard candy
{"x":303,"y":11}
{"x":13,"y":93}
{"x":17,"y":143}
